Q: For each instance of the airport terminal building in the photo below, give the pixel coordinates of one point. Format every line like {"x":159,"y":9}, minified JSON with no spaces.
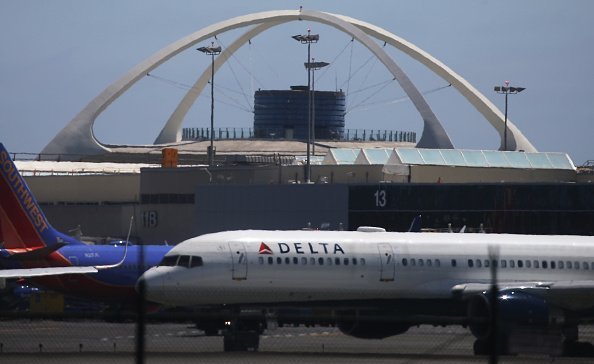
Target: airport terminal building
{"x":370,"y":184}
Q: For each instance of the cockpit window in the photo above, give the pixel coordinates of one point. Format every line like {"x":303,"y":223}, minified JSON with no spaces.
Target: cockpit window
{"x":184,"y":261}
{"x":169,"y":260}
{"x":196,"y":262}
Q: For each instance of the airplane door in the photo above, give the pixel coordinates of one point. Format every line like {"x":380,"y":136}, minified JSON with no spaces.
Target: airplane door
{"x":238,"y":260}
{"x":387,"y":262}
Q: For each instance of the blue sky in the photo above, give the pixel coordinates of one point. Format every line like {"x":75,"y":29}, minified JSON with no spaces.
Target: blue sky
{"x":58,"y":55}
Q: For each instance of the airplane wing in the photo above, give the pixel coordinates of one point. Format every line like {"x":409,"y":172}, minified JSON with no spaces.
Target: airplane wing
{"x":574,"y":295}
{"x":48,"y":271}
{"x":52,"y":271}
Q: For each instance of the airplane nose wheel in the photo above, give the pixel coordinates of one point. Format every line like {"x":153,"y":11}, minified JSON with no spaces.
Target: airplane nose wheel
{"x":241,"y":336}
{"x":241,"y":341}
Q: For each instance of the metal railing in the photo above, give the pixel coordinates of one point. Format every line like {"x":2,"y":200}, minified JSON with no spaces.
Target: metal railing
{"x":231,"y":133}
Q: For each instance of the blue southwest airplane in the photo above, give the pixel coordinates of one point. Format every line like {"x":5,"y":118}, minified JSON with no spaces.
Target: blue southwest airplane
{"x":30,"y":247}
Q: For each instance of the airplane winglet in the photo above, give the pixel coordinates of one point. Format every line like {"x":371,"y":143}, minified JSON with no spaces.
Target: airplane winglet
{"x":111,"y":266}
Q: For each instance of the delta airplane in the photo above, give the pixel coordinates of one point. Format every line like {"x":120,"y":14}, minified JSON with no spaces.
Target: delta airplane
{"x":31,"y":247}
{"x":373,"y":284}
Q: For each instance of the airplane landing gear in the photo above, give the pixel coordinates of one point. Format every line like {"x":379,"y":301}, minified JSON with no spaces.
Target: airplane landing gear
{"x":578,"y":349}
{"x":241,"y":341}
{"x":571,"y":347}
{"x":242,"y":335}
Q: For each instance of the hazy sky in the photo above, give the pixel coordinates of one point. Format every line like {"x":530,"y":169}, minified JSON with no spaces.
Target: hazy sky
{"x":58,"y":55}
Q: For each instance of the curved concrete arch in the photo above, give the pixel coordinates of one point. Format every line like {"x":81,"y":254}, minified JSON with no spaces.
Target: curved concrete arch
{"x":77,"y":137}
{"x":434,"y":135}
{"x":516,"y":140}
{"x":171,"y":132}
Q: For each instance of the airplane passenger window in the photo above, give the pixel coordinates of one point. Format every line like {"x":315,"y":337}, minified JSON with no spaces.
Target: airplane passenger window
{"x":404,"y":262}
{"x":303,"y":261}
{"x":470,"y":263}
{"x":321,"y":261}
{"x":346,"y":261}
{"x":279,"y":260}
{"x":362,"y":261}
{"x":196,"y":262}
{"x":420,"y":262}
{"x":585,"y":265}
{"x":560,"y":264}
{"x":287,"y":260}
{"x":312,"y":261}
{"x":354,"y":261}
{"x":479,"y":263}
{"x":336,"y":261}
{"x":552,"y":264}
{"x":413,"y":262}
{"x":329,"y":261}
{"x":437,"y":263}
{"x":520,"y":264}
{"x":504,"y":264}
{"x":429,"y":263}
{"x":270,"y":260}
{"x":295,"y":260}
{"x":486,"y":263}
{"x":544,"y":264}
{"x":576,"y":265}
{"x":184,"y":261}
{"x":528,"y":264}
{"x":261,"y":260}
{"x":512,"y":263}
{"x":454,"y":263}
{"x":169,"y":261}
{"x":536,"y":264}
{"x":568,"y":264}
{"x":592,"y":265}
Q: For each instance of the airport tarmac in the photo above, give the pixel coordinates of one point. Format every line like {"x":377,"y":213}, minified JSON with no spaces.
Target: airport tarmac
{"x":23,"y":341}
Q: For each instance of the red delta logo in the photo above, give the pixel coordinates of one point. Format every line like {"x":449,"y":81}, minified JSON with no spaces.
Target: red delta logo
{"x":264,"y":249}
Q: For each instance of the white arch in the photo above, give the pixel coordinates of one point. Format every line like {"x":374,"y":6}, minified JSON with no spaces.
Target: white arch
{"x":77,"y":137}
{"x":434,"y":135}
{"x":171,"y":132}
{"x":517,"y":141}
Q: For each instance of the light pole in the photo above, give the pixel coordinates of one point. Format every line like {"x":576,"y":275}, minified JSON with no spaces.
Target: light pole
{"x":308,"y":39}
{"x":507,"y":90}
{"x":314,"y":66}
{"x":211,"y":51}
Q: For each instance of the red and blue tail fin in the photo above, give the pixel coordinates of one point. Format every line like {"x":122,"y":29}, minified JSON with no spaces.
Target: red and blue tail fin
{"x":22,"y":223}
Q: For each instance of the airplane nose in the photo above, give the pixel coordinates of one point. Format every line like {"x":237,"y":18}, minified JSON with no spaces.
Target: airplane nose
{"x":140,"y":284}
{"x":150,"y":285}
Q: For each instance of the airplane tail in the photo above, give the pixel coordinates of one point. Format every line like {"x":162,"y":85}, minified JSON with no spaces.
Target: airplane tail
{"x":22,"y":223}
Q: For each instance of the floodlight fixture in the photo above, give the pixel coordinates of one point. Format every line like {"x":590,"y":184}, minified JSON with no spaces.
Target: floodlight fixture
{"x":507,"y":90}
{"x":308,"y":39}
{"x":211,"y":51}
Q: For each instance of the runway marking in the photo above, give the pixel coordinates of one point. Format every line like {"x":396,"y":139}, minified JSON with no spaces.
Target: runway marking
{"x":288,"y":336}
{"x":199,"y":332}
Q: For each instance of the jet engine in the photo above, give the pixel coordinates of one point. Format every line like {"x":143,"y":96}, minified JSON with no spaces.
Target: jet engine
{"x":513,"y":308}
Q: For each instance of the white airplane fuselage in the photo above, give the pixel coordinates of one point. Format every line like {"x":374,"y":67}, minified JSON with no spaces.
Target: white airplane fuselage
{"x":276,"y":267}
